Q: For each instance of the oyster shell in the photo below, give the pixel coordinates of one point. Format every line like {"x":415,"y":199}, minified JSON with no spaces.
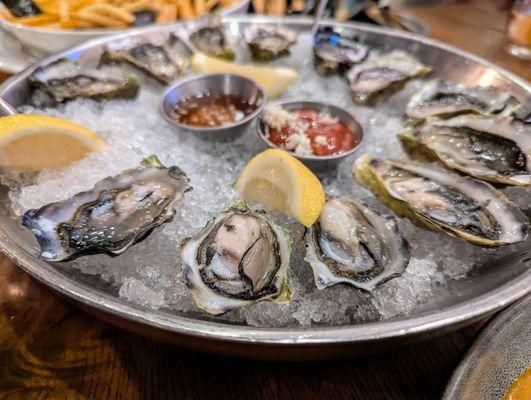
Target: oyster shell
{"x":493,"y":149}
{"x":65,"y":80}
{"x":269,"y":42}
{"x":442,"y":99}
{"x":442,"y":200}
{"x":334,"y":53}
{"x":385,"y":72}
{"x":238,"y":258}
{"x":209,"y":38}
{"x":522,"y":113}
{"x":351,"y":243}
{"x":164,"y":62}
{"x":110,"y":218}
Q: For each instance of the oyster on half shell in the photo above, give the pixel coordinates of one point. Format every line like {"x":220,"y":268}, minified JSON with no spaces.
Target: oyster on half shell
{"x":164,"y":62}
{"x":495,"y":149}
{"x":269,"y":42}
{"x":110,"y":218}
{"x":65,"y":80}
{"x":335,"y":53}
{"x":383,"y":73}
{"x":439,"y":199}
{"x":238,"y":258}
{"x":442,"y":99}
{"x":352,"y":243}
{"x":209,"y":38}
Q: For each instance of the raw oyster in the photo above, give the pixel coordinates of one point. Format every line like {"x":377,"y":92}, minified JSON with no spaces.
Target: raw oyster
{"x":385,"y":72}
{"x":65,"y":80}
{"x":164,"y":62}
{"x":442,"y":99}
{"x":210,"y":39}
{"x":110,"y":218}
{"x":492,"y":149}
{"x":334,"y":53}
{"x":442,"y":200}
{"x":269,"y":42}
{"x":522,"y":112}
{"x":351,"y":243}
{"x":238,"y":258}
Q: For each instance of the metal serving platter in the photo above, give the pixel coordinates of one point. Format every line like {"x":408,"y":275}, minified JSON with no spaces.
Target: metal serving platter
{"x":484,"y":291}
{"x":496,"y":358}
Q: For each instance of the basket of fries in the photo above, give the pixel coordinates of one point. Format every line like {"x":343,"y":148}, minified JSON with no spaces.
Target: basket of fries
{"x":50,"y":26}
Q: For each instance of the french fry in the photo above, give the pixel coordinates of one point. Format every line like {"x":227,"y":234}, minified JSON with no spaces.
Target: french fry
{"x":53,"y":25}
{"x":276,"y":7}
{"x":259,"y":6}
{"x":210,"y":4}
{"x":173,"y":12}
{"x":156,"y":5}
{"x":200,"y":7}
{"x":99,"y":20}
{"x":37,"y":20}
{"x":134,"y":6}
{"x":165,"y":14}
{"x":4,"y":12}
{"x":185,"y":9}
{"x":297,"y":5}
{"x":64,"y":11}
{"x":111,"y":12}
{"x":74,"y":23}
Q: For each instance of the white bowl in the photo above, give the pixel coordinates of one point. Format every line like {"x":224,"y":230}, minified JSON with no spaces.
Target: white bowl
{"x":48,"y":41}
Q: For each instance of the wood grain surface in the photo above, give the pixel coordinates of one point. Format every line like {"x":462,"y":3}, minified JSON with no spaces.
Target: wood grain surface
{"x":52,"y":350}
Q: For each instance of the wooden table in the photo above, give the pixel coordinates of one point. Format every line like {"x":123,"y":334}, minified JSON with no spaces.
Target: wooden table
{"x":49,"y":349}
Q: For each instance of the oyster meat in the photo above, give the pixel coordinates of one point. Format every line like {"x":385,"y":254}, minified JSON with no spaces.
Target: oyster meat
{"x":495,"y":149}
{"x":439,"y":199}
{"x":334,"y":53}
{"x":238,"y":258}
{"x":210,"y":39}
{"x":164,"y":62}
{"x":383,"y":73}
{"x":110,"y":218}
{"x":442,"y":99}
{"x":65,"y":80}
{"x":269,"y":42}
{"x":353,"y":244}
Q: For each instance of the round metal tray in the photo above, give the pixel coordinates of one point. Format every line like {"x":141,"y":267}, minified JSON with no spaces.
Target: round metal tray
{"x":485,"y":290}
{"x":496,"y":358}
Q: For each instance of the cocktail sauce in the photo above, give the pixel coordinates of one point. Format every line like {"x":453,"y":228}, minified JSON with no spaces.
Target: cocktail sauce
{"x":328,"y":136}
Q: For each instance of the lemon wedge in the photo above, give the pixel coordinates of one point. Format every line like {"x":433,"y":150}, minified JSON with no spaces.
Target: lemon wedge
{"x":278,"y":180}
{"x":35,"y":142}
{"x":274,"y":80}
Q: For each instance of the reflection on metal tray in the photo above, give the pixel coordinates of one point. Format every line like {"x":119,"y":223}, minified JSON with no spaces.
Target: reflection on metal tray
{"x":490,"y":287}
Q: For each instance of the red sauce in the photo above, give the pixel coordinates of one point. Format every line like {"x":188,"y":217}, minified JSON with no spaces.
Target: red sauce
{"x":339,"y":138}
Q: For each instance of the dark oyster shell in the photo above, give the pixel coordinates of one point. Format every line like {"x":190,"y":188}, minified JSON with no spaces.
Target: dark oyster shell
{"x":65,"y":80}
{"x":269,"y":42}
{"x":334,"y":53}
{"x":164,"y":62}
{"x":110,"y":218}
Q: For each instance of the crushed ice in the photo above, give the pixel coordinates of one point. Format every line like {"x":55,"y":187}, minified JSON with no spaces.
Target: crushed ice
{"x":148,"y":274}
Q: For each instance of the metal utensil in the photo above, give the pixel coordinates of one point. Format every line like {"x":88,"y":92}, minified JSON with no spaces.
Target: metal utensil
{"x":318,"y":16}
